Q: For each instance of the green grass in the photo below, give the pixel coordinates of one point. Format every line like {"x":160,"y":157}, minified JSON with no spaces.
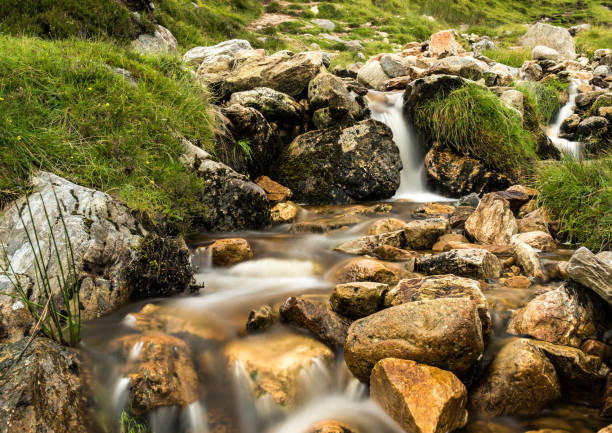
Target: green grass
{"x":509,"y":56}
{"x":543,"y":96}
{"x":474,"y":122}
{"x":129,"y":424}
{"x":65,"y":110}
{"x":595,"y":38}
{"x":579,"y":193}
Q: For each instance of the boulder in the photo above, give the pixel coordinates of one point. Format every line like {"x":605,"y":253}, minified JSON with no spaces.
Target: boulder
{"x":539,"y":240}
{"x":471,"y":263}
{"x":501,"y":251}
{"x":423,"y":89}
{"x":592,"y":272}
{"x":541,"y":52}
{"x":560,"y":316}
{"x":459,"y":216}
{"x":373,"y":76}
{"x":531,"y":71}
{"x":332,"y":427}
{"x":227,"y":252}
{"x":162,"y":41}
{"x":520,"y":381}
{"x":514,"y":99}
{"x":272,"y":104}
{"x":570,"y":124}
{"x":361,"y":162}
{"x":423,"y":234}
{"x":437,"y":209}
{"x":606,"y":407}
{"x":394,"y":65}
{"x":197,"y":55}
{"x":443,"y":44}
{"x":261,"y":319}
{"x":597,"y":348}
{"x":276,"y":192}
{"x":359,"y":299}
{"x":493,"y":221}
{"x":518,"y":282}
{"x":43,"y":390}
{"x":386,"y":225}
{"x":213,"y":70}
{"x":367,"y":244}
{"x":466,"y":67}
{"x":367,"y":270}
{"x":324,"y":24}
{"x":420,"y":398}
{"x":534,"y":221}
{"x":283,"y":213}
{"x":443,"y":241}
{"x":445,"y":333}
{"x":327,"y":90}
{"x":529,"y":261}
{"x":276,"y":363}
{"x":393,"y":254}
{"x":553,"y":37}
{"x":592,"y":125}
{"x":325,"y":324}
{"x":470,"y":200}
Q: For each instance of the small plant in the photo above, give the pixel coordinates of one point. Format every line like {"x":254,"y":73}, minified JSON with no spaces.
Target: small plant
{"x":60,"y":321}
{"x":245,"y":148}
{"x":129,"y":424}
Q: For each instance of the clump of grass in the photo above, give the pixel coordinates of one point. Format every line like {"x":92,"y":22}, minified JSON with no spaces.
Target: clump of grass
{"x":579,"y":193}
{"x":474,"y":122}
{"x":544,"y":97}
{"x":129,"y":424}
{"x":509,"y":56}
{"x":593,"y":39}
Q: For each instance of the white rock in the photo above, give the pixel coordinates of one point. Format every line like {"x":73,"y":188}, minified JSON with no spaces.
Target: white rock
{"x":229,"y":48}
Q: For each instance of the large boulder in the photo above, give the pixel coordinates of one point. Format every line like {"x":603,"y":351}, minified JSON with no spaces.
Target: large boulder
{"x":593,"y":272}
{"x":493,"y":221}
{"x":423,"y":234}
{"x":466,"y":67}
{"x":358,"y":299}
{"x":421,"y":398}
{"x":470,"y":262}
{"x":228,"y":48}
{"x":272,"y":104}
{"x":426,"y":88}
{"x":443,"y":44}
{"x":104,"y":237}
{"x":361,"y":162}
{"x":42,"y":389}
{"x":395,"y":65}
{"x":538,"y":239}
{"x":328,"y":90}
{"x":373,"y":76}
{"x":445,"y":333}
{"x":553,"y":37}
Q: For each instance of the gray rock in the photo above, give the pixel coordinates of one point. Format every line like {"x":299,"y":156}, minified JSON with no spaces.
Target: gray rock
{"x":328,"y":90}
{"x":394,"y":65}
{"x":592,"y":125}
{"x":471,"y":200}
{"x":472,"y":263}
{"x":466,"y":67}
{"x":592,"y":272}
{"x":324,"y":24}
{"x":162,"y":41}
{"x":373,"y":76}
{"x":229,"y":48}
{"x":540,"y":52}
{"x":557,"y":38}
{"x":272,"y":104}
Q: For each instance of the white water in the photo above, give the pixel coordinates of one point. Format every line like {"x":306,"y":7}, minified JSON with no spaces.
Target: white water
{"x":571,"y":147}
{"x":412,"y":184}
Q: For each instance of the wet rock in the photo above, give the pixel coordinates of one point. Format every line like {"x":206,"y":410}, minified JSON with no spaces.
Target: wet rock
{"x":493,"y":221}
{"x":161,"y":41}
{"x":272,"y":104}
{"x":227,"y":252}
{"x":521,"y":380}
{"x":276,"y":362}
{"x":535,"y":221}
{"x":338,"y":166}
{"x":560,"y":316}
{"x":445,"y":333}
{"x":437,"y":209}
{"x":606,"y":407}
{"x":553,"y":37}
{"x":518,"y":282}
{"x":332,"y":427}
{"x":367,"y":244}
{"x":592,"y":125}
{"x":393,"y":254}
{"x":328,"y":90}
{"x":367,"y":270}
{"x":160,"y":370}
{"x":426,"y":88}
{"x":471,"y":263}
{"x":539,"y":240}
{"x":403,"y":389}
{"x":321,"y":321}
{"x":444,"y":240}
{"x":500,"y":251}
{"x":357,"y":300}
{"x":283,"y":213}
{"x":460,"y":216}
{"x":43,"y":389}
{"x":332,"y":117}
{"x":386,"y":225}
{"x":592,"y":272}
{"x":529,"y":261}
{"x":423,"y":234}
{"x":443,"y":44}
{"x":324,"y":225}
{"x":276,"y":192}
{"x":228,"y":48}
{"x":373,"y":76}
{"x":466,"y":67}
{"x":261,"y":319}
{"x":570,"y":124}
{"x":597,"y":348}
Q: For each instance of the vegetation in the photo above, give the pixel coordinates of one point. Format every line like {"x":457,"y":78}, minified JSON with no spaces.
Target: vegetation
{"x":129,"y":424}
{"x":544,"y":97}
{"x":579,"y":193}
{"x":474,"y":122}
{"x":509,"y":56}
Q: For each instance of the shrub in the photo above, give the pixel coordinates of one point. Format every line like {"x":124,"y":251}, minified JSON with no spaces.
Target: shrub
{"x":579,"y":193}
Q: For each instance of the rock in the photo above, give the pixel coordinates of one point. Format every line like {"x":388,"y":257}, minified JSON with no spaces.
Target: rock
{"x":535,"y":221}
{"x":540,"y":52}
{"x":332,"y":117}
{"x":607,"y":429}
{"x":227,"y":252}
{"x":160,"y":42}
{"x":443,"y":241}
{"x":574,"y":30}
{"x":367,"y":270}
{"x":560,"y":316}
{"x":471,"y":263}
{"x":460,"y":215}
{"x":277,"y":363}
{"x":261,"y":319}
{"x":359,"y":299}
{"x":275,"y":191}
{"x":386,"y":225}
{"x":437,"y":209}
{"x":324,"y":225}
{"x":518,"y":282}
{"x":597,"y":348}
{"x":399,"y":83}
{"x":441,"y":286}
{"x":501,"y":251}
{"x":373,"y":76}
{"x":213,"y":70}
{"x":492,"y":222}
{"x":520,"y":381}
{"x":104,"y":237}
{"x":426,"y":88}
{"x":531,"y":71}
{"x":528,"y":260}
{"x":466,"y":67}
{"x":592,"y":125}
{"x":230,"y":48}
{"x":332,"y":427}
{"x":283,"y":71}
{"x":394,"y":65}
{"x":367,"y":244}
{"x":570,"y":124}
{"x":324,"y":24}
{"x":393,"y":254}
{"x":327,"y":90}
{"x":538,"y":239}
{"x":43,"y":389}
{"x":513,"y":99}
{"x":459,"y":175}
{"x":443,"y":44}
{"x":322,"y":322}
{"x":338,"y":166}
{"x":423,"y":234}
{"x":606,"y":408}
{"x":422,"y":399}
{"x":553,"y":37}
{"x":445,"y":333}
{"x":592,"y":272}
{"x":160,"y":370}
{"x":283,"y":213}
{"x":272,"y":104}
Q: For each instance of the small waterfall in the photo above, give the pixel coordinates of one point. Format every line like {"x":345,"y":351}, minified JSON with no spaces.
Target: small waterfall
{"x":388,"y":108}
{"x":571,"y":147}
{"x":120,"y":395}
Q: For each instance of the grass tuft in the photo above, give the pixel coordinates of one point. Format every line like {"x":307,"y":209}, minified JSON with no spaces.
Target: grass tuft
{"x":544,"y":97}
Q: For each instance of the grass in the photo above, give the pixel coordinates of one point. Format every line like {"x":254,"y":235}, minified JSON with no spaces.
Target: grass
{"x":579,"y":193}
{"x":543,"y":96}
{"x":595,"y":38}
{"x":64,"y":109}
{"x":474,"y":122}
{"x":129,"y":424}
{"x":509,"y":56}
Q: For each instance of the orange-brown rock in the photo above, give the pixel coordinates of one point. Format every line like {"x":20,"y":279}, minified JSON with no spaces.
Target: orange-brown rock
{"x":392,"y":254}
{"x":332,"y":427}
{"x":597,"y":348}
{"x":443,"y":44}
{"x":527,"y":191}
{"x":275,"y":191}
{"x":227,"y":252}
{"x":443,"y":242}
{"x":357,"y":300}
{"x":283,"y":213}
{"x":539,"y":240}
{"x":386,"y":225}
{"x":420,"y":398}
{"x":435,"y":209}
{"x":368,"y":270}
{"x":518,"y":282}
{"x":492,"y":222}
{"x":498,"y":250}
{"x":606,"y":407}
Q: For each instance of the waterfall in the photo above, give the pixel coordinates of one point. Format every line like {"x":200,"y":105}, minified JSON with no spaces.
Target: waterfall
{"x":571,"y":147}
{"x":388,"y":108}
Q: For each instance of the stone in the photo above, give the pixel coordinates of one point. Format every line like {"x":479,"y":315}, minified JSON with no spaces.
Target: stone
{"x":420,"y":398}
{"x":513,"y":99}
{"x":592,"y":125}
{"x":466,"y":67}
{"x":437,"y":209}
{"x":492,"y":222}
{"x":534,"y":221}
{"x":471,"y":263}
{"x":443,"y":44}
{"x":394,"y":65}
{"x":283,"y":213}
{"x":277,"y":362}
{"x":423,"y":234}
{"x":360,"y":163}
{"x":275,"y":191}
{"x":501,"y":251}
{"x":386,"y":225}
{"x":359,"y":299}
{"x":531,"y":71}
{"x":373,"y":76}
{"x":332,"y":427}
{"x":162,"y":41}
{"x":325,"y":324}
{"x":43,"y":389}
{"x":560,"y":316}
{"x":272,"y":104}
{"x":570,"y":124}
{"x":197,"y":55}
{"x":591,"y":272}
{"x":518,"y":282}
{"x":327,"y":90}
{"x":597,"y":348}
{"x":228,"y":252}
{"x":606,"y":408}
{"x":261,"y":319}
{"x":367,"y":270}
{"x":515,"y":197}
{"x":367,"y":244}
{"x":426,"y":88}
{"x":541,"y":52}
{"x":459,"y":216}
{"x":553,"y":37}
{"x":607,"y":429}
{"x":324,"y":24}
{"x":444,"y":240}
{"x":332,"y":117}
{"x":444,"y":333}
{"x":520,"y":381}
{"x":160,"y":371}
{"x":529,"y":261}
{"x":539,"y":240}
{"x":525,"y":190}
{"x":393,"y":254}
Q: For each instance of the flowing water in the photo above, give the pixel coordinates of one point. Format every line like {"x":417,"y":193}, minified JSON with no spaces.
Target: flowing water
{"x":573,"y":148}
{"x":286,"y":264}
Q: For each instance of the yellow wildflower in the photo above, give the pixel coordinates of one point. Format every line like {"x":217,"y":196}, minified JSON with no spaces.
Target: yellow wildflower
{"x":1,"y":99}
{"x":107,"y":104}
{"x":18,"y":137}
